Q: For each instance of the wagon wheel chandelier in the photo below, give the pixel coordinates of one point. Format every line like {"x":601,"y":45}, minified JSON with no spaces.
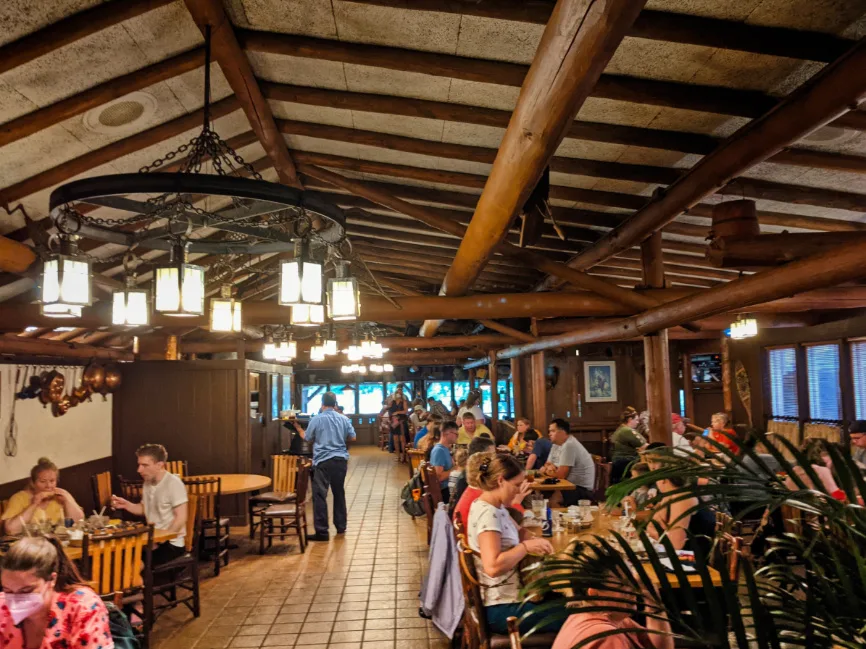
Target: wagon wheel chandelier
{"x":203,"y":188}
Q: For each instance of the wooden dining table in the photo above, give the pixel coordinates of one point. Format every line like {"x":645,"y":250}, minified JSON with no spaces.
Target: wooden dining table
{"x":563,"y":485}
{"x":238,"y":483}
{"x":603,"y":525}
{"x":74,"y":552}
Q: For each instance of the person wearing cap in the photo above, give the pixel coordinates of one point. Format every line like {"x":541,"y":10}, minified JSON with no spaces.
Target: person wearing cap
{"x":418,"y":418}
{"x":857,"y":435}
{"x":680,"y":444}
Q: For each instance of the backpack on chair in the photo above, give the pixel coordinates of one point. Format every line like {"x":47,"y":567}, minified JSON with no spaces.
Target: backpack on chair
{"x":411,"y":496}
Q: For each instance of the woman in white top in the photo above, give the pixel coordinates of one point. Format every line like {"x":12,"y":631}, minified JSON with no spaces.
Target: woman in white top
{"x":499,"y":543}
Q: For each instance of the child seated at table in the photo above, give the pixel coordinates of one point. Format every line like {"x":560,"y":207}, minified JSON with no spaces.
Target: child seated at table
{"x":643,"y":494}
{"x":459,"y":470}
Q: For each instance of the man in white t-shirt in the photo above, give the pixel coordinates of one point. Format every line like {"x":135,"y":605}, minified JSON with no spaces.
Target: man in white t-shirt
{"x":569,"y":460}
{"x":164,"y":501}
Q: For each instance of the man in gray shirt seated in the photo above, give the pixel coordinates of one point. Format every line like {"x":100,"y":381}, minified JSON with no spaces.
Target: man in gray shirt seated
{"x":569,"y":460}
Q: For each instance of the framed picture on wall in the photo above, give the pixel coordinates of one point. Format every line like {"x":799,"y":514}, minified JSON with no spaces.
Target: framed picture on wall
{"x":599,"y":379}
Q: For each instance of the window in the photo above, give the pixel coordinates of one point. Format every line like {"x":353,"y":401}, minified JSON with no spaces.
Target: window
{"x":408,"y":390}
{"x":505,"y":409}
{"x":858,"y":371}
{"x":287,"y":392}
{"x":822,"y":364}
{"x":486,"y":405}
{"x":311,"y":398}
{"x":461,"y":391}
{"x":441,"y":391}
{"x":370,"y":397}
{"x":275,"y":396}
{"x":346,"y":397}
{"x":783,"y":382}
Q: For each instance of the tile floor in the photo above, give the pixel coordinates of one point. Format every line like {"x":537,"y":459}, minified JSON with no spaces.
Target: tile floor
{"x":359,"y":591}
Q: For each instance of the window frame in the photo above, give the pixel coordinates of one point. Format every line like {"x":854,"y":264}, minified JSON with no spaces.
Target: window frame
{"x":807,"y":415}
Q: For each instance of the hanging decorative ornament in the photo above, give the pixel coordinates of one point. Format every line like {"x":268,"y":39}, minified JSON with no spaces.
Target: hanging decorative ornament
{"x":65,"y":286}
{"x":130,"y":305}
{"x":344,"y":295}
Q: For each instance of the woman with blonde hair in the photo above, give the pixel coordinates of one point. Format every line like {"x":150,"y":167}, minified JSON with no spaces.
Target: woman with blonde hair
{"x":517,"y":443}
{"x":42,"y":500}
{"x":44,"y":602}
{"x":498,"y":544}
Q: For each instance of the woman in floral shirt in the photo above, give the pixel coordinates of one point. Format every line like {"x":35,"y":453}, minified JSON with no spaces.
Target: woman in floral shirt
{"x":44,"y":605}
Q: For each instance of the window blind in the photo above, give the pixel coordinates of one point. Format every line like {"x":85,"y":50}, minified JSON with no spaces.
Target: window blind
{"x":858,"y":371}
{"x":783,"y":382}
{"x":822,"y":364}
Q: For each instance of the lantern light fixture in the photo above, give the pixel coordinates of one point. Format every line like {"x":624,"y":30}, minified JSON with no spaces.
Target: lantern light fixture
{"x":301,"y":278}
{"x":344,"y":294}
{"x":269,"y":351}
{"x":226,"y":312}
{"x":179,"y":286}
{"x":130,"y":305}
{"x":388,"y":367}
{"x":308,"y":315}
{"x":744,"y":328}
{"x":287,"y":350}
{"x":317,"y":351}
{"x":66,"y":275}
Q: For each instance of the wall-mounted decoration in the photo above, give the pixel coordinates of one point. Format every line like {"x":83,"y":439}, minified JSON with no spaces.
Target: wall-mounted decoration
{"x":600,"y":381}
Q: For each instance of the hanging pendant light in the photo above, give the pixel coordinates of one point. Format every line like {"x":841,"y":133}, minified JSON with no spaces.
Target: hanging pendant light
{"x":308,"y":315}
{"x":344,"y":295}
{"x":317,"y":351}
{"x":354,"y":352}
{"x":179,"y":286}
{"x":129,"y":305}
{"x":287,"y":350}
{"x":301,"y":278}
{"x":330,"y":344}
{"x":225,"y":311}
{"x":744,"y":327}
{"x":269,"y":351}
{"x":65,"y":281}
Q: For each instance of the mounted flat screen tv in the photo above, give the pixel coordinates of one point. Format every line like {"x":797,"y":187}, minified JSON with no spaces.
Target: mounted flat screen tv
{"x":706,"y":369}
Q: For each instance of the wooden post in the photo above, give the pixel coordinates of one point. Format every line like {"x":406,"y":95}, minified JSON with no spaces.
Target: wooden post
{"x":687,"y":385}
{"x":471,"y":380}
{"x":577,"y":44}
{"x":657,"y":371}
{"x":519,"y":390}
{"x":727,"y":394}
{"x":539,"y":392}
{"x":493,"y":377}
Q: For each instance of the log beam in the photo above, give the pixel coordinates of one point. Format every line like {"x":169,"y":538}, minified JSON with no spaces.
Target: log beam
{"x":774,"y":249}
{"x":57,"y":349}
{"x":239,"y":73}
{"x":842,"y":264}
{"x":657,"y":371}
{"x":828,"y":95}
{"x":15,"y":257}
{"x":577,"y":44}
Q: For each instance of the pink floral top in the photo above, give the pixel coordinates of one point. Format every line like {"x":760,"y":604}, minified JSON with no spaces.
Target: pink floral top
{"x":77,"y":619}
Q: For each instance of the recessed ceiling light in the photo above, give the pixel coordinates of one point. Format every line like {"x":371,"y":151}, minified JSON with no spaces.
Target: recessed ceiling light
{"x":121,"y":116}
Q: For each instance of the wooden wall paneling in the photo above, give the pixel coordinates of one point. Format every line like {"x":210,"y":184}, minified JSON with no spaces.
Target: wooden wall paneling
{"x":539,"y":392}
{"x":75,"y":479}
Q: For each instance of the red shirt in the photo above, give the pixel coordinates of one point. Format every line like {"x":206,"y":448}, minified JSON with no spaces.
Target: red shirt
{"x":727,"y":437}
{"x":470,"y":496}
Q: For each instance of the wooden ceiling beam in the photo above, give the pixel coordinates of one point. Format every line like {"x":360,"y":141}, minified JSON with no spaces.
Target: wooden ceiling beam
{"x":650,"y":174}
{"x":237,"y":70}
{"x":712,"y":99}
{"x":58,"y":349}
{"x":71,"y":29}
{"x":578,"y":42}
{"x":659,"y":26}
{"x":827,"y":95}
{"x":103,"y":93}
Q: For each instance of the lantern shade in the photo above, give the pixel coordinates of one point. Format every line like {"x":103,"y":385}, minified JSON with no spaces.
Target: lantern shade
{"x":354,"y":353}
{"x":225,"y":315}
{"x":744,"y":328}
{"x":287,"y":350}
{"x":317,"y":353}
{"x":308,"y":315}
{"x":269,"y":352}
{"x":344,"y":298}
{"x":65,"y":286}
{"x":330,"y":346}
{"x":179,"y":290}
{"x":300,"y":282}
{"x":130,"y":307}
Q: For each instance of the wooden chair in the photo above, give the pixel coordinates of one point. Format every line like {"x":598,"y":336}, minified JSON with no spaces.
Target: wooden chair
{"x":288,"y":516}
{"x":431,"y":496}
{"x":602,"y":480}
{"x":415,"y":459}
{"x":178,"y":467}
{"x":182,"y":573}
{"x":118,"y":567}
{"x":100,"y":484}
{"x":513,"y":632}
{"x":476,"y":634}
{"x":213,"y":538}
{"x":283,"y":484}
{"x":131,"y":490}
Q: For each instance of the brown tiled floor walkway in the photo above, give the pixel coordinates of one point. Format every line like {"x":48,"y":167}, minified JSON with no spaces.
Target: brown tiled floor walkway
{"x":359,"y":591}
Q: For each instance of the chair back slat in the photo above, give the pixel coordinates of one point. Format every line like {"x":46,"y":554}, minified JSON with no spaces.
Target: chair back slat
{"x":193,"y":517}
{"x":101,"y":485}
{"x":285,"y":473}
{"x":113,"y":562}
{"x":209,"y":491}
{"x":177,"y":467}
{"x":131,"y":490}
{"x":302,"y":482}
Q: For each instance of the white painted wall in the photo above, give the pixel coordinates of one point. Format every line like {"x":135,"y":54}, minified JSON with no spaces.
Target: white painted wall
{"x":81,"y":435}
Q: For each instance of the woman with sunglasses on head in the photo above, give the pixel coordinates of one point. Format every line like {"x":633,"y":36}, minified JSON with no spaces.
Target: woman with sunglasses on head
{"x":44,"y":603}
{"x":499,"y":545}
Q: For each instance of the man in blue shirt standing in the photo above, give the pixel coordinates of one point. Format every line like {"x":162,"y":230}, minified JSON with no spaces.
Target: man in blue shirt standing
{"x":330,"y":433}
